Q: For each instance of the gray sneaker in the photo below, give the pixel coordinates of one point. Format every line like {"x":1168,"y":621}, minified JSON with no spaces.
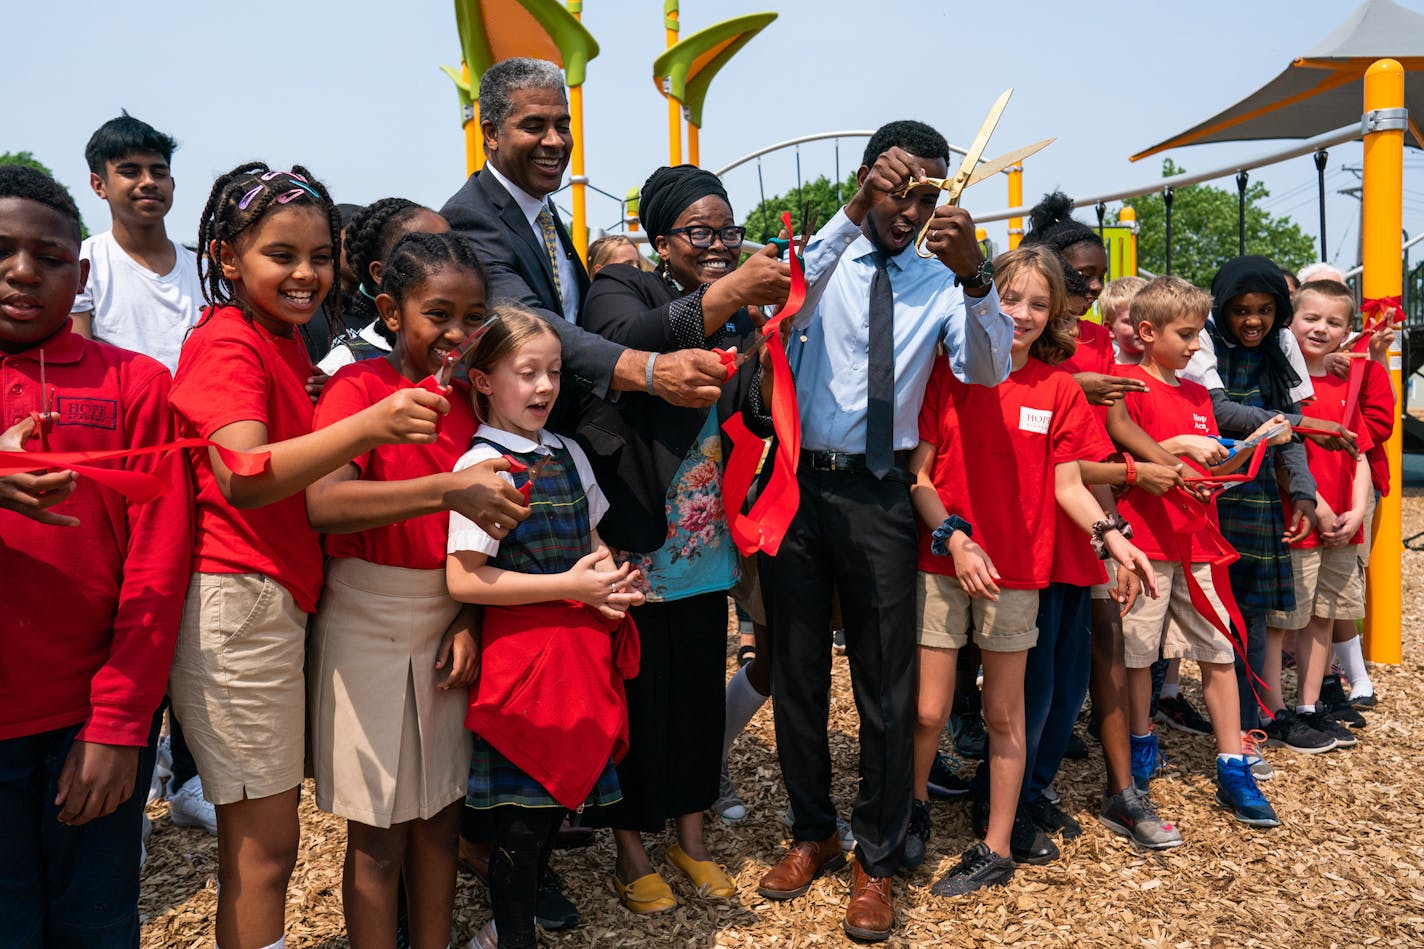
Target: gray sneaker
{"x":1131,"y":814}
{"x":1251,"y":744}
{"x":728,"y":805}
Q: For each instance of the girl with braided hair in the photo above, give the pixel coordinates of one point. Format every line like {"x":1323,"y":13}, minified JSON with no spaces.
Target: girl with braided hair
{"x":369,"y":238}
{"x":268,"y":242}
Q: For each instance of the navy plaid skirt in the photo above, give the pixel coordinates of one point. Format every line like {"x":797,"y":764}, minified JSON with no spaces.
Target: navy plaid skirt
{"x":495,"y":780}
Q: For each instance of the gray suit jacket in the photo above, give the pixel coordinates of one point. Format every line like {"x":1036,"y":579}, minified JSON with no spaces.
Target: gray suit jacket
{"x":518,"y":268}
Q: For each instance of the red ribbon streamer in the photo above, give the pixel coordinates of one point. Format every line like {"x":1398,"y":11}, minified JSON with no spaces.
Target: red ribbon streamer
{"x":138,"y":486}
{"x":766,"y":523}
{"x":1375,"y":310}
{"x":1195,"y":522}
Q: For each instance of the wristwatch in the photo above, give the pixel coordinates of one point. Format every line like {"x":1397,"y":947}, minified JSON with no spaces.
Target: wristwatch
{"x":981,"y":278}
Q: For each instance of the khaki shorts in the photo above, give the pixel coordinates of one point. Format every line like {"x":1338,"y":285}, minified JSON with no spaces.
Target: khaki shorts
{"x":1328,"y":584}
{"x":237,"y":685}
{"x":945,"y":612}
{"x":1170,"y":625}
{"x":388,"y":746}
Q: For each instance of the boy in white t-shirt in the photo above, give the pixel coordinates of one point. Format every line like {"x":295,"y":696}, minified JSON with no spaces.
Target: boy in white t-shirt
{"x":143,"y":292}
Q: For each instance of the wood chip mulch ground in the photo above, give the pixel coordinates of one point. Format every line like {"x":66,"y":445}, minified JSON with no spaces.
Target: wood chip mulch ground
{"x":1346,"y":868}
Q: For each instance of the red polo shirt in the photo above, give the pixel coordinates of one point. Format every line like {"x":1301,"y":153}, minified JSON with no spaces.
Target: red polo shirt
{"x":234,"y":370}
{"x":91,"y":612}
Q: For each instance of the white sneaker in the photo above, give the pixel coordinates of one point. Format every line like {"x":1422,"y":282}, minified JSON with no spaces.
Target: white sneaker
{"x":486,"y":938}
{"x":188,"y":808}
{"x":729,"y":805}
{"x":162,"y":770}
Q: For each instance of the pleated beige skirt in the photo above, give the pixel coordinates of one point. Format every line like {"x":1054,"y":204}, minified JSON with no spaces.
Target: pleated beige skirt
{"x":387,"y":745}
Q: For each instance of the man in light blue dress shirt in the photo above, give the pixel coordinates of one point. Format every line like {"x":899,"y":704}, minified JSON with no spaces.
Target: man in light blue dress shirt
{"x":855,"y":529}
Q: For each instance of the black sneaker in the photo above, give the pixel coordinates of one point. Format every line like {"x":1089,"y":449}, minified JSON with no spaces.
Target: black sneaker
{"x":918,"y":838}
{"x":945,"y":781}
{"x":1363,"y":701}
{"x":1337,"y":703}
{"x":1027,"y":844}
{"x":1325,"y":723}
{"x":966,"y":726}
{"x":552,"y":909}
{"x":1077,"y":748}
{"x":1051,"y":819}
{"x":978,"y":868}
{"x":1176,"y":712}
{"x":1288,"y":730}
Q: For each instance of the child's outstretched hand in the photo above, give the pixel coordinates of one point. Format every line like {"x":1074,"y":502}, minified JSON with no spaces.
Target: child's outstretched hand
{"x":1339,"y":438}
{"x":1303,"y":522}
{"x":479,"y":493}
{"x":1156,"y":479}
{"x":1106,"y":390}
{"x":1201,"y":449}
{"x":94,"y":781}
{"x":973,"y":568}
{"x":33,"y":494}
{"x":1281,"y":437}
{"x":409,"y":415}
{"x":1132,"y":559}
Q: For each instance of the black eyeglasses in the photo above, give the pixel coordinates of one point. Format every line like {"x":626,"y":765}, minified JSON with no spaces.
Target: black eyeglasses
{"x":701,"y":237}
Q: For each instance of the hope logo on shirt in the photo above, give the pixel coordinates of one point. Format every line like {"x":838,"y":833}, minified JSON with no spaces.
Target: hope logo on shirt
{"x":1034,"y":420}
{"x":1199,"y":422}
{"x":91,"y":413}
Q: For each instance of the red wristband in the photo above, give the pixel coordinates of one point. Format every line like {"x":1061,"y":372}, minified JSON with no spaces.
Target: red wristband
{"x":1131,"y":478}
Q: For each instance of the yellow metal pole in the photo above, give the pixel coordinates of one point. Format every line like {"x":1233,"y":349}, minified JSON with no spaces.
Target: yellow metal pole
{"x":694,"y":144}
{"x":474,"y":138}
{"x":1015,"y":200}
{"x":578,"y":181}
{"x":1383,"y":211}
{"x":630,"y":215}
{"x":670,"y":24}
{"x":1128,"y":218}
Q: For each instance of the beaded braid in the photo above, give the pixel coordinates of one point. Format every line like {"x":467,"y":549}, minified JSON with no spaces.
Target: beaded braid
{"x":224,"y":220}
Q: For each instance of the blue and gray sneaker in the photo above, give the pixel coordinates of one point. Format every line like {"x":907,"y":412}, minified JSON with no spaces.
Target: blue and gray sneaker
{"x":1147,"y":760}
{"x":1236,"y":789}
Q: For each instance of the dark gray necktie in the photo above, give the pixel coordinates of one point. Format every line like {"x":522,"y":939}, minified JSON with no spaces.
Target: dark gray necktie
{"x":880,"y":375}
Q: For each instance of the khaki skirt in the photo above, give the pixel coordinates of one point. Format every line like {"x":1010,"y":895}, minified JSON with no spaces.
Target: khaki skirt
{"x":387,"y":745}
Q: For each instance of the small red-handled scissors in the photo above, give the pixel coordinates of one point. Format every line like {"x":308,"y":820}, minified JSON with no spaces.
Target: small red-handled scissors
{"x":534,"y":471}
{"x":439,"y":382}
{"x":44,"y":418}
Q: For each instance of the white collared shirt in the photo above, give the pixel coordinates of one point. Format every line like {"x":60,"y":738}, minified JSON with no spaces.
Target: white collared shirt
{"x":531,"y":206}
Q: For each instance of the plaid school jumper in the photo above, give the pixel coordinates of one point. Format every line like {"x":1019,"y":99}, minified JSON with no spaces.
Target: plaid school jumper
{"x":551,"y":540}
{"x":1251,"y":517}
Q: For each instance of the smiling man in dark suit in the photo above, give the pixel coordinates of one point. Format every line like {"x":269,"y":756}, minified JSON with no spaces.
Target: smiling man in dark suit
{"x":505,"y":209}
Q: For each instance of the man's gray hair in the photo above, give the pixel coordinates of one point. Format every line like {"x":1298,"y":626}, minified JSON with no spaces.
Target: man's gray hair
{"x":504,"y":78}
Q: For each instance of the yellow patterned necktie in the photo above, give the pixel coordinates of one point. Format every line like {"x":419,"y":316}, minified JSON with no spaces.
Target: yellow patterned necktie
{"x":551,"y":245}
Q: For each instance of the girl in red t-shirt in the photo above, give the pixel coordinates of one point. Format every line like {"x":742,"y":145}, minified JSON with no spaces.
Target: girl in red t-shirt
{"x":391,"y":651}
{"x":268,"y":243}
{"x":990,"y":464}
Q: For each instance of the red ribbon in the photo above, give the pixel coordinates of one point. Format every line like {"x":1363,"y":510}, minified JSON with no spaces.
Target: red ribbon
{"x":1376,"y":310}
{"x":138,"y":486}
{"x":1195,"y":522}
{"x":766,"y":523}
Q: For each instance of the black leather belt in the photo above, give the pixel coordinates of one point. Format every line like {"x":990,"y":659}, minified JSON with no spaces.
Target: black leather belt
{"x":844,"y":461}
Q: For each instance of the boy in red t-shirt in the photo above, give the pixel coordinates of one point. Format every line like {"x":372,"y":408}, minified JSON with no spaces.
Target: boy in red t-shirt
{"x":1037,"y":425}
{"x":94,"y":586}
{"x":1326,"y":565}
{"x":1170,"y":314}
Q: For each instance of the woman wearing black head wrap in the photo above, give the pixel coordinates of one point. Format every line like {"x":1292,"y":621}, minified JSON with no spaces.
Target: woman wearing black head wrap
{"x":662,"y":467}
{"x":1251,"y":306}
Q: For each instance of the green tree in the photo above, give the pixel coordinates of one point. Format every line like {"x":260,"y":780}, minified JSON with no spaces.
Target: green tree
{"x":28,"y":158}
{"x":1204,"y":230}
{"x":764,"y":221}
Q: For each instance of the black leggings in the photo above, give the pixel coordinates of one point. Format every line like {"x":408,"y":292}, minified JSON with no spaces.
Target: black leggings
{"x":523,"y":837}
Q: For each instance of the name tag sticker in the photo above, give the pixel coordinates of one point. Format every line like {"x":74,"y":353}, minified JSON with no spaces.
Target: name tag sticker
{"x":1034,"y":420}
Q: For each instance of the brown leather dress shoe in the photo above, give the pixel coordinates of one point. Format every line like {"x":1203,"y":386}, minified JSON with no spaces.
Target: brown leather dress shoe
{"x":806,"y":860}
{"x":871,"y":913}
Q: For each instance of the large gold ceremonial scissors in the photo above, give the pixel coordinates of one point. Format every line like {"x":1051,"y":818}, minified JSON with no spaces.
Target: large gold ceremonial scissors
{"x":971,"y":170}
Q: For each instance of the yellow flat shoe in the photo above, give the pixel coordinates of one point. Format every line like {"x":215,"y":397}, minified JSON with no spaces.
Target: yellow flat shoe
{"x":647,"y":894}
{"x":709,"y":877}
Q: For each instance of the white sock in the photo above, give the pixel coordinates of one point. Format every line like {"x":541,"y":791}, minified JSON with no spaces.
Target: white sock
{"x":1143,"y":737}
{"x":1170,"y":690}
{"x":743,"y":701}
{"x":1225,"y":757}
{"x":1351,"y":661}
{"x":1304,"y":709}
{"x":279,"y":944}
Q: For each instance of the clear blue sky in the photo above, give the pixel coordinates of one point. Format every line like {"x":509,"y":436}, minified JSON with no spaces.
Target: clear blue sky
{"x":352,"y":90}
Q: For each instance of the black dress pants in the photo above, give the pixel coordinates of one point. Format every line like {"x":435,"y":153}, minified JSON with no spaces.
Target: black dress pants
{"x":856,"y":534}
